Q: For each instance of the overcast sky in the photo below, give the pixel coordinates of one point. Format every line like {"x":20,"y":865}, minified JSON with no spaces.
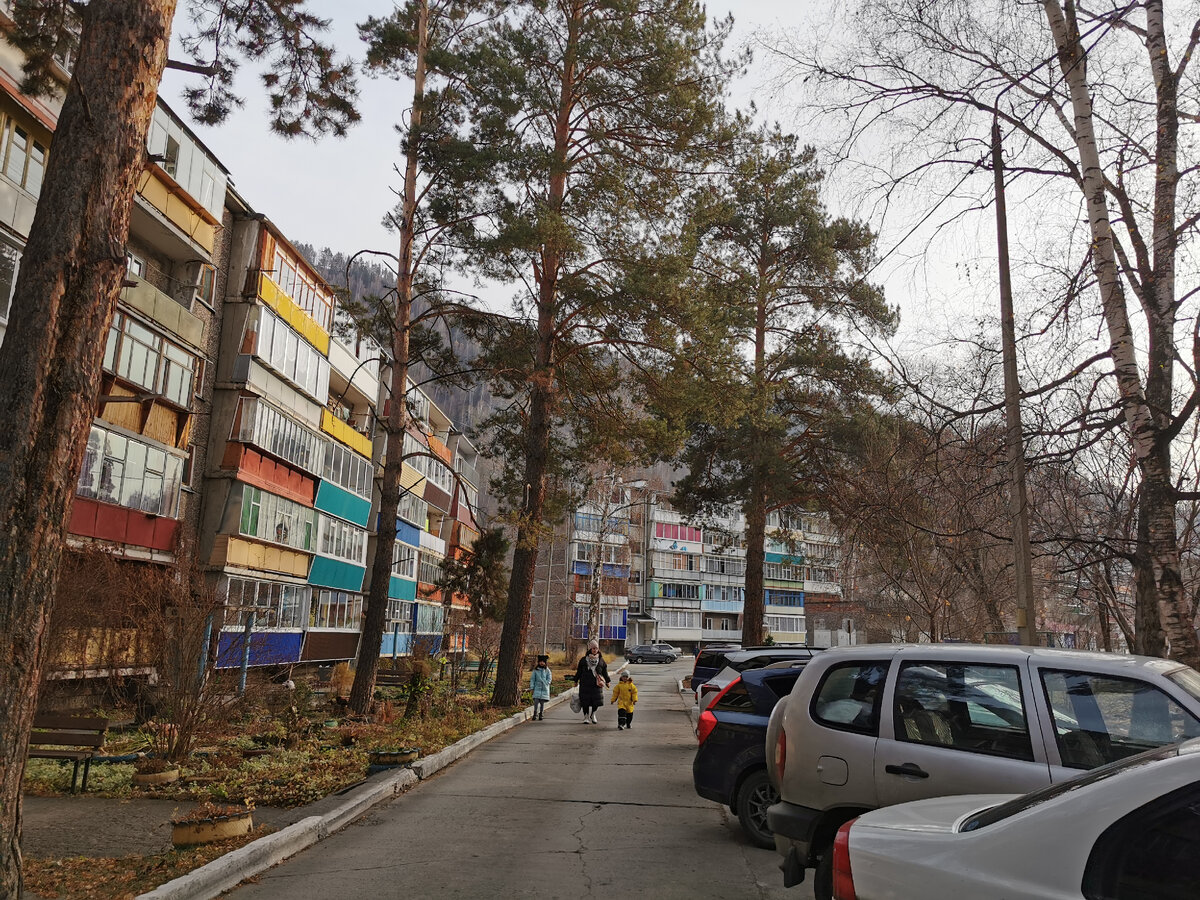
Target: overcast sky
{"x":335,"y":192}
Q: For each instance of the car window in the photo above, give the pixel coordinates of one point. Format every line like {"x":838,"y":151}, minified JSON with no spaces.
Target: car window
{"x":1103,"y":718}
{"x":736,"y":698}
{"x":781,"y":685}
{"x":848,"y":696}
{"x":1151,"y":854}
{"x":710,"y":660}
{"x":966,"y":706}
{"x":1188,"y":679}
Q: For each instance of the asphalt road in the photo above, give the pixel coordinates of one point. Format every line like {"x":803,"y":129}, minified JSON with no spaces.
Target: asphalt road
{"x":551,"y":809}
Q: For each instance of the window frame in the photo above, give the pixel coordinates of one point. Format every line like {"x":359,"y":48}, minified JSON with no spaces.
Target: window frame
{"x":870,"y":728}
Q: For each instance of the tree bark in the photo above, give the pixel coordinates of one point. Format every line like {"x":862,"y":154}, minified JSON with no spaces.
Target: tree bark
{"x":50,"y":362}
{"x":1146,"y":410}
{"x":363,"y":689}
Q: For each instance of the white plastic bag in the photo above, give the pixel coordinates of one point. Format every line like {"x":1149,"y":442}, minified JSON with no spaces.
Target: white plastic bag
{"x":576,"y":706}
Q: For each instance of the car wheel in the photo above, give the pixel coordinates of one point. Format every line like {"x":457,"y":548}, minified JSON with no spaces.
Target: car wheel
{"x":754,"y":796}
{"x":636,"y":659}
{"x":823,"y":878}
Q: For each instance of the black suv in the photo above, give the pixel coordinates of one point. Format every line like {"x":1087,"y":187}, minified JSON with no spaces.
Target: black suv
{"x":712,"y":659}
{"x":730,"y":765}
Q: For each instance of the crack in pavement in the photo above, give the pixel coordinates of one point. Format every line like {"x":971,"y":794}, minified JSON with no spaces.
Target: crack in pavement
{"x":597,"y":803}
{"x":578,"y":835}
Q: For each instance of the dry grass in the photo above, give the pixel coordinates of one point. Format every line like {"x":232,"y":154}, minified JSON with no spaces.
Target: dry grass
{"x":121,"y":878}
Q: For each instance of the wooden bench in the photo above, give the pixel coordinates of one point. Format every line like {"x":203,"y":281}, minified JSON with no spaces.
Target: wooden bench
{"x":390,"y":679}
{"x":54,"y":735}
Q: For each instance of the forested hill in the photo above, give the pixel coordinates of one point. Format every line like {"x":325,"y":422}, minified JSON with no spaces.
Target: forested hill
{"x":370,"y":277}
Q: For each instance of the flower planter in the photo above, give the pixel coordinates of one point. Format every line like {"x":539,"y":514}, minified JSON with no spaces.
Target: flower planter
{"x":155,"y":779}
{"x":212,"y":828}
{"x":400,"y":757}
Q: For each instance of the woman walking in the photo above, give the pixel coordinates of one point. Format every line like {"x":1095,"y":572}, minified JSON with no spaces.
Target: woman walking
{"x":592,"y":677}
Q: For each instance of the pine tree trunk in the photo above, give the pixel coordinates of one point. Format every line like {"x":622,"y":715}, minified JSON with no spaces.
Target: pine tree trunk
{"x":70,"y":276}
{"x":363,"y":690}
{"x":1147,"y":414}
{"x":753,"y":606}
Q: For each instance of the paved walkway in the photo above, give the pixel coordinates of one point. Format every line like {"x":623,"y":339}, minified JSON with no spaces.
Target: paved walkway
{"x":550,"y":809}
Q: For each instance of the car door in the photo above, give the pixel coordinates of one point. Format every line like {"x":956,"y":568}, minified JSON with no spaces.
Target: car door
{"x":958,"y":726}
{"x":1098,"y":718}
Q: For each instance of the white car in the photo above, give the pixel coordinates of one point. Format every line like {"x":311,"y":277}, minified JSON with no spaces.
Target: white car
{"x":1126,"y":831}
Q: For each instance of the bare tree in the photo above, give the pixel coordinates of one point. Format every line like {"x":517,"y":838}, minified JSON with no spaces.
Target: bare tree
{"x":1092,"y":101}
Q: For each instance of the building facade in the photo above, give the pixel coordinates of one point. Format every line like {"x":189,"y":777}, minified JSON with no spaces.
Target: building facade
{"x":659,"y":577}
{"x":236,"y":421}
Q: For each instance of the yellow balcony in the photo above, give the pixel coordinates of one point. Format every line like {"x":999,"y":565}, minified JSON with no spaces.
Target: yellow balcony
{"x":178,"y":207}
{"x":340,"y":431}
{"x":271,"y":294}
{"x":233,"y":551}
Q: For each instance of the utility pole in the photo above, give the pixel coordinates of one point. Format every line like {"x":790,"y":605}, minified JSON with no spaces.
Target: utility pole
{"x":1022,"y":555}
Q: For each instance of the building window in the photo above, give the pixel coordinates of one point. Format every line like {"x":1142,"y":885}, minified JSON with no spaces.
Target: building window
{"x":290,"y":355}
{"x":784,"y":624}
{"x":413,"y":509}
{"x":429,"y":568}
{"x":277,"y":520}
{"x":128,"y":472}
{"x":341,"y":540}
{"x":677,"y":618}
{"x":429,"y":619}
{"x":681,"y":591}
{"x":404,"y":561}
{"x":335,"y":609}
{"x":24,"y":158}
{"x":671,"y":532}
{"x":145,"y":358}
{"x":347,"y":469}
{"x":264,"y":426}
{"x":274,"y":604}
{"x":206,"y":284}
{"x":783,"y":598}
{"x":171,"y":156}
{"x":306,"y":290}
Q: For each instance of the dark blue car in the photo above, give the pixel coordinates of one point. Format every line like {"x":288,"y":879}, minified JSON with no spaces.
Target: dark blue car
{"x":731,"y":763}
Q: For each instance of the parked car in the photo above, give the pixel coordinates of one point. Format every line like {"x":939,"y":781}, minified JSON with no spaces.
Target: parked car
{"x":742,"y":658}
{"x":670,"y":648}
{"x":730,"y":766}
{"x":1128,"y":830}
{"x":649,"y":653}
{"x":872,"y":726}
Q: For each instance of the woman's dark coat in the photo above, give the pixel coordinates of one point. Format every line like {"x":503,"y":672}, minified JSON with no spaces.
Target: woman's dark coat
{"x":591,"y":694}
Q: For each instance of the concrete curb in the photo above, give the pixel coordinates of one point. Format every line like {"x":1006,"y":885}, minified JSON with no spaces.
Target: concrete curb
{"x":226,"y":872}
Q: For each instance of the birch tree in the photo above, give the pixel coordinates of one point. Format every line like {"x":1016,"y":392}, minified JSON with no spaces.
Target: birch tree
{"x":1096,"y":102}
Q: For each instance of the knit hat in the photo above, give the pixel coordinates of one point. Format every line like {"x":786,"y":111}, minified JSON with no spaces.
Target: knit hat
{"x":543,"y":659}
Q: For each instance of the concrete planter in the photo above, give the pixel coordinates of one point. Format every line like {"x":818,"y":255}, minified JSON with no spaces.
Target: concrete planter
{"x":400,"y":757}
{"x":212,"y":828}
{"x":155,"y":779}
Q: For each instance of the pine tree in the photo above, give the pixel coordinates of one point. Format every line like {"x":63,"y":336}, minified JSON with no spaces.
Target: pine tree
{"x":598,"y":110}
{"x":71,"y":273}
{"x":787,"y":278}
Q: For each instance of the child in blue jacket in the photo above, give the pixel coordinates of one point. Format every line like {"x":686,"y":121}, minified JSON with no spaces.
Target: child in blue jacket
{"x":539,"y":681}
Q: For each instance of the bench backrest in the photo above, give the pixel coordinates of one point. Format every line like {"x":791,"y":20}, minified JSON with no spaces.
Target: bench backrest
{"x":68,"y":731}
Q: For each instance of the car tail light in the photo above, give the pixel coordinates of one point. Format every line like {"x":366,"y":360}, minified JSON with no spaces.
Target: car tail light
{"x":780,"y":755}
{"x":705,"y":726}
{"x":843,"y":879}
{"x":707,"y":720}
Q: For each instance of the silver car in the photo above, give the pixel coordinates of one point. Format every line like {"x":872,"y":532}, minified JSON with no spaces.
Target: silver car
{"x":875,"y":725}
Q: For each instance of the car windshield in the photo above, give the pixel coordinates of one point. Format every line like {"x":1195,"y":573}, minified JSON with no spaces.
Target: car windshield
{"x":999,"y":813}
{"x":1188,"y":679}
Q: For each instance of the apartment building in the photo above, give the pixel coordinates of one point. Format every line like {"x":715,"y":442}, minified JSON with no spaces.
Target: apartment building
{"x":684,"y":583}
{"x":235,"y":424}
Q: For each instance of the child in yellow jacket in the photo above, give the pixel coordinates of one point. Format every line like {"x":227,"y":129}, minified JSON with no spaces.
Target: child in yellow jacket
{"x":625,"y":696}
